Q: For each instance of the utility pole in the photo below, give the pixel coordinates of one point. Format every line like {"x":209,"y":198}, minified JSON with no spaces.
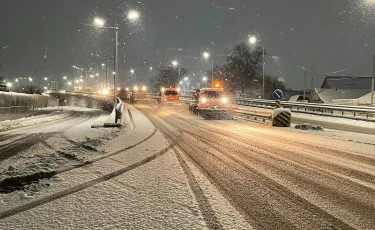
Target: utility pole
{"x":312,"y":87}
{"x":373,"y":84}
{"x":304,"y":88}
{"x":212,"y":72}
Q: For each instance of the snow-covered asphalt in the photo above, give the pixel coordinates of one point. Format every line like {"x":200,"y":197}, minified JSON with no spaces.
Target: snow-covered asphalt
{"x":173,"y":170}
{"x":278,"y":178}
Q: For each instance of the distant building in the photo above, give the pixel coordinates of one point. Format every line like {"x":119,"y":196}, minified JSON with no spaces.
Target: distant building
{"x":341,"y":90}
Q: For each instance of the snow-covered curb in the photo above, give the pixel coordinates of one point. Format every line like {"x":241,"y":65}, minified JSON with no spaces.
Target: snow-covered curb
{"x":35,"y":120}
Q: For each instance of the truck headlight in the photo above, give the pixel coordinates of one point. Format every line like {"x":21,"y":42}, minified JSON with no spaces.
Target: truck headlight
{"x":204,"y":100}
{"x":224,"y":100}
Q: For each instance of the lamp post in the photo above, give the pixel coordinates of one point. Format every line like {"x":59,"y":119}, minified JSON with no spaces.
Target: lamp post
{"x":253,"y":40}
{"x":206,"y":56}
{"x":132,"y":16}
{"x":373,"y":84}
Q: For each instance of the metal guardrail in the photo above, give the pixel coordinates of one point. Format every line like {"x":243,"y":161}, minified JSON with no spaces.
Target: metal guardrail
{"x":332,"y":110}
{"x":353,"y":112}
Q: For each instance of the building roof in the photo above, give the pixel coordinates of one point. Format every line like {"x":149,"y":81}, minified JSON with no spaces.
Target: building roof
{"x":366,"y":99}
{"x":328,"y":95}
{"x":342,"y":82}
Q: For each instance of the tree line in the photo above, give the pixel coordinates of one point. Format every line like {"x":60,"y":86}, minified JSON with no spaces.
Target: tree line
{"x":241,"y":74}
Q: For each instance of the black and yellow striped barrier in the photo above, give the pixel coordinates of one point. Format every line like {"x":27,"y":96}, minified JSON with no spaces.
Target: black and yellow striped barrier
{"x":278,"y":104}
{"x":281,"y":118}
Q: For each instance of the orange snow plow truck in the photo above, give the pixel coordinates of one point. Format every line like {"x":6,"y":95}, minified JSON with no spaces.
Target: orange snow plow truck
{"x":169,"y":96}
{"x":211,"y":103}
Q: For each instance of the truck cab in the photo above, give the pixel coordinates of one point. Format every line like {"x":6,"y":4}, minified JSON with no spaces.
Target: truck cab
{"x":170,"y":95}
{"x":211,"y":102}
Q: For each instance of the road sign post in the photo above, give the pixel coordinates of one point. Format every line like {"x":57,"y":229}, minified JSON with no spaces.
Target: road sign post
{"x":278,"y":95}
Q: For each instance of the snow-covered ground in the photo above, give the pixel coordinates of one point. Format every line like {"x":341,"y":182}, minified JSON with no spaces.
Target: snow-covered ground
{"x":34,"y":120}
{"x":140,"y":185}
{"x":76,"y":145}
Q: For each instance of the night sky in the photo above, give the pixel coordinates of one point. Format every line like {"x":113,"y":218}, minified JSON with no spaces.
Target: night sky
{"x":47,"y":37}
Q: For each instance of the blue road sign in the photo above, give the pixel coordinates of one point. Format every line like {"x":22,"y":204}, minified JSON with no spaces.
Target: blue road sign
{"x":277,"y":94}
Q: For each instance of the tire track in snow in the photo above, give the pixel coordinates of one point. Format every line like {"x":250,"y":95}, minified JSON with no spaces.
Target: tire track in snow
{"x":82,"y":186}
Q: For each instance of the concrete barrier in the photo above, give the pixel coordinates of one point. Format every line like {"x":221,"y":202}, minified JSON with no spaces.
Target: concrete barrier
{"x":281,"y":118}
{"x":16,"y":105}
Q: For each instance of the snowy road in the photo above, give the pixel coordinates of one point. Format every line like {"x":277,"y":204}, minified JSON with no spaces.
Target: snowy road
{"x":277,"y":178}
{"x":177,"y":171}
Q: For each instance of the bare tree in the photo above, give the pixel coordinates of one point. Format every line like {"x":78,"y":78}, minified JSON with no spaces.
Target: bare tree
{"x":244,"y":65}
{"x":168,"y":76}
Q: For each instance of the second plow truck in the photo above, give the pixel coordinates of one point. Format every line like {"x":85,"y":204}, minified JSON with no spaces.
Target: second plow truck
{"x":211,"y":103}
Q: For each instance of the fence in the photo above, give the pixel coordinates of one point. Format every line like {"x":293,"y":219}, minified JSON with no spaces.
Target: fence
{"x":16,"y":104}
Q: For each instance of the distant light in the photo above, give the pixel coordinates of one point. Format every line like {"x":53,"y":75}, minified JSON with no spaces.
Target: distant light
{"x":70,"y":83}
{"x":114,"y":73}
{"x":77,"y":81}
{"x":74,"y":66}
{"x":103,"y":64}
{"x":178,"y":89}
{"x":163,"y":89}
{"x":186,"y":78}
{"x":144,"y":88}
{"x":104,"y":91}
{"x":97,"y":74}
{"x":9,"y":84}
{"x":90,"y":68}
{"x":253,"y":40}
{"x":81,"y":76}
{"x":92,"y":76}
{"x":150,"y":67}
{"x":99,"y":22}
{"x":204,"y":78}
{"x":206,"y":55}
{"x":81,"y":80}
{"x":135,"y":88}
{"x":175,"y":63}
{"x":64,"y":77}
{"x":127,"y":89}
{"x":16,"y":80}
{"x":45,"y":87}
{"x":45,"y":78}
{"x":132,"y":71}
{"x":118,"y":89}
{"x":30,"y":79}
{"x":133,"y":15}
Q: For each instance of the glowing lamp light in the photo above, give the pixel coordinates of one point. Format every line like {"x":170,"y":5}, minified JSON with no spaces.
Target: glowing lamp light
{"x":204,"y":100}
{"x":135,"y":88}
{"x":224,"y":100}
{"x":99,"y":22}
{"x":104,"y":91}
{"x":133,"y":15}
{"x":163,"y":89}
{"x":144,"y":88}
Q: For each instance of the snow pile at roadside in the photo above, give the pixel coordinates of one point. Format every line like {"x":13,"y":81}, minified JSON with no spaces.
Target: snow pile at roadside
{"x":309,"y":127}
{"x":23,"y":122}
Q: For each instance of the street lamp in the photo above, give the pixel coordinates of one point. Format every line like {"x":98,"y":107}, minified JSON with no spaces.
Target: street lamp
{"x":150,"y":67}
{"x":175,"y":64}
{"x":64,"y":77}
{"x":132,"y":16}
{"x":206,"y":56}
{"x":132,"y":71}
{"x":9,"y":84}
{"x":253,"y":41}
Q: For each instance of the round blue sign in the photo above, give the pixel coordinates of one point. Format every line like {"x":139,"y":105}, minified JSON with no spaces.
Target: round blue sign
{"x":277,"y":94}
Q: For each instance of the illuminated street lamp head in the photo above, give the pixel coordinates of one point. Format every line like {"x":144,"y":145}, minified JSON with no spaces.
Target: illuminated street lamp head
{"x":133,"y":15}
{"x":64,"y":77}
{"x":9,"y":84}
{"x":103,"y":64}
{"x":206,"y":55}
{"x":45,"y":79}
{"x":132,"y":71}
{"x":70,"y":83}
{"x":186,"y":78}
{"x":174,"y":63}
{"x":77,"y":81}
{"x":99,"y":22}
{"x":81,"y":80}
{"x":97,"y":74}
{"x":30,"y":79}
{"x":16,"y":79}
{"x":92,"y":76}
{"x":150,"y":67}
{"x":253,"y":40}
{"x":113,"y":73}
{"x":204,"y":78}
